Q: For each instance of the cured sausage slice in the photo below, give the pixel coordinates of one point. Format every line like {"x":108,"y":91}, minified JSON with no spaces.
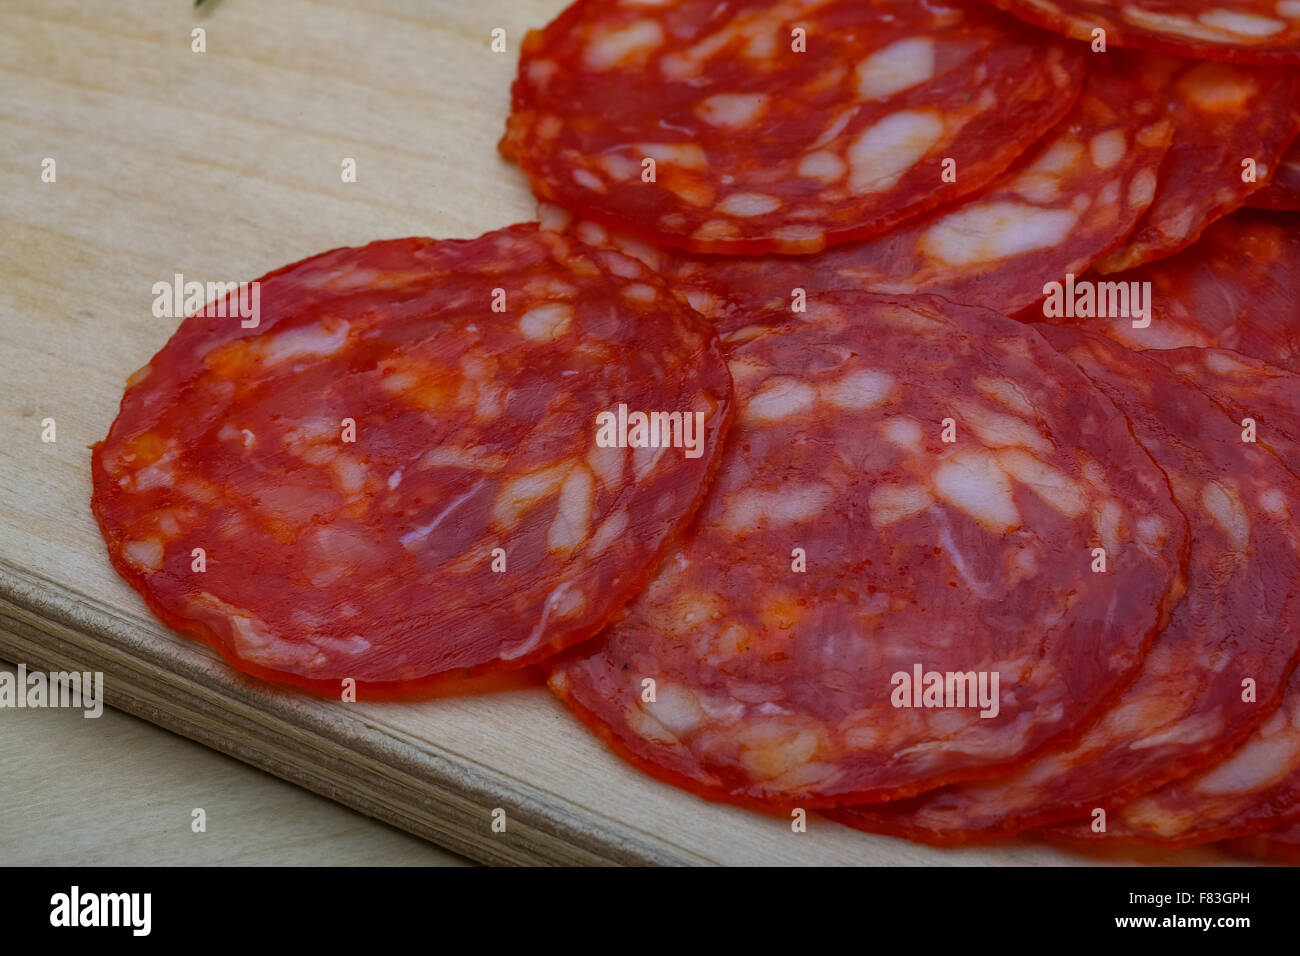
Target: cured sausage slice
{"x":747,"y":126}
{"x":1284,"y":190}
{"x":1256,"y":788}
{"x":1259,"y":783}
{"x":1282,"y":843}
{"x":1232,"y":31}
{"x":350,"y":466}
{"x":1234,"y":289}
{"x":845,"y":545}
{"x":1223,"y":114}
{"x":1066,"y":201}
{"x":1239,"y":621}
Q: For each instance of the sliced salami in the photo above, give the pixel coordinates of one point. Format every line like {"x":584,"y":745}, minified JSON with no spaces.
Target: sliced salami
{"x":1239,"y":622}
{"x":745,"y":126}
{"x":1066,"y":201}
{"x":1257,"y":788}
{"x":849,"y":555}
{"x":1234,"y":289}
{"x":1259,"y":784}
{"x":1224,"y":116}
{"x":396,"y":476}
{"x":1232,"y":31}
{"x":1283,"y":192}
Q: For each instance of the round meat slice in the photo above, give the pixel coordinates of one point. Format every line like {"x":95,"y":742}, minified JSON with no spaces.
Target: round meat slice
{"x":1223,"y":115}
{"x":1283,"y":192}
{"x":1065,"y":202}
{"x":751,"y":126}
{"x":395,"y":474}
{"x":1232,"y":31}
{"x":1259,"y":784}
{"x":913,"y":492}
{"x":1234,"y":289}
{"x":1282,"y":843}
{"x":1256,"y":788}
{"x":1239,"y":622}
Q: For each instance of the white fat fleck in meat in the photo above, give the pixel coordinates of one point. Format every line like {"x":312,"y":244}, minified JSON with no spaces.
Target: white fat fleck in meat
{"x":522,"y":493}
{"x":394,"y":479}
{"x":1275,"y":503}
{"x":823,"y":166}
{"x":1001,"y":431}
{"x":680,"y":155}
{"x":903,"y":432}
{"x":989,"y":232}
{"x":1242,"y":24}
{"x":416,"y":535}
{"x":628,"y":46}
{"x":1107,"y":519}
{"x":450,"y":456}
{"x":1056,"y":488}
{"x":753,"y":508}
{"x":310,"y":341}
{"x":351,"y":475}
{"x":1252,"y":768}
{"x":902,"y":64}
{"x":731,"y":110}
{"x":1042,"y":181}
{"x":547,"y":322}
{"x":1223,"y":503}
{"x":775,"y":746}
{"x":1007,"y":392}
{"x":861,"y":389}
{"x":1152,"y":531}
{"x":972,"y":482}
{"x":610,"y":530}
{"x":1108,"y":148}
{"x":1217,"y":87}
{"x":607,"y":462}
{"x":572,"y":522}
{"x":779,"y":398}
{"x":1142,"y":189}
{"x":639,"y":292}
{"x":619,"y":168}
{"x":145,"y":555}
{"x":748,"y":204}
{"x":677,"y":708}
{"x":565,"y":601}
{"x":1289,"y":9}
{"x":893,"y":503}
{"x":589,"y":180}
{"x":885,"y":151}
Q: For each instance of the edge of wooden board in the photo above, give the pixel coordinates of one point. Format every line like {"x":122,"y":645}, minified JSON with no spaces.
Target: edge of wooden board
{"x":305,"y":741}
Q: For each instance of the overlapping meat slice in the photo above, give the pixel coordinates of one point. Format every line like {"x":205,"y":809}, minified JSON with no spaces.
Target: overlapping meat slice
{"x":1232,"y":31}
{"x":1237,"y":627}
{"x":845,"y":543}
{"x":778,"y":126}
{"x":1068,"y":200}
{"x":1257,"y":787}
{"x":396,"y":474}
{"x":1223,"y":115}
{"x":1234,"y":289}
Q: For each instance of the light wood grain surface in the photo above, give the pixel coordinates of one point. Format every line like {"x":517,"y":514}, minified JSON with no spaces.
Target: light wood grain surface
{"x":115,"y":790}
{"x":224,"y":165}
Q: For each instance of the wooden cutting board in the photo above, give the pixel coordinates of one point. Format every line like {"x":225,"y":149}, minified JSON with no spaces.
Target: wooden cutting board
{"x":224,"y":165}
